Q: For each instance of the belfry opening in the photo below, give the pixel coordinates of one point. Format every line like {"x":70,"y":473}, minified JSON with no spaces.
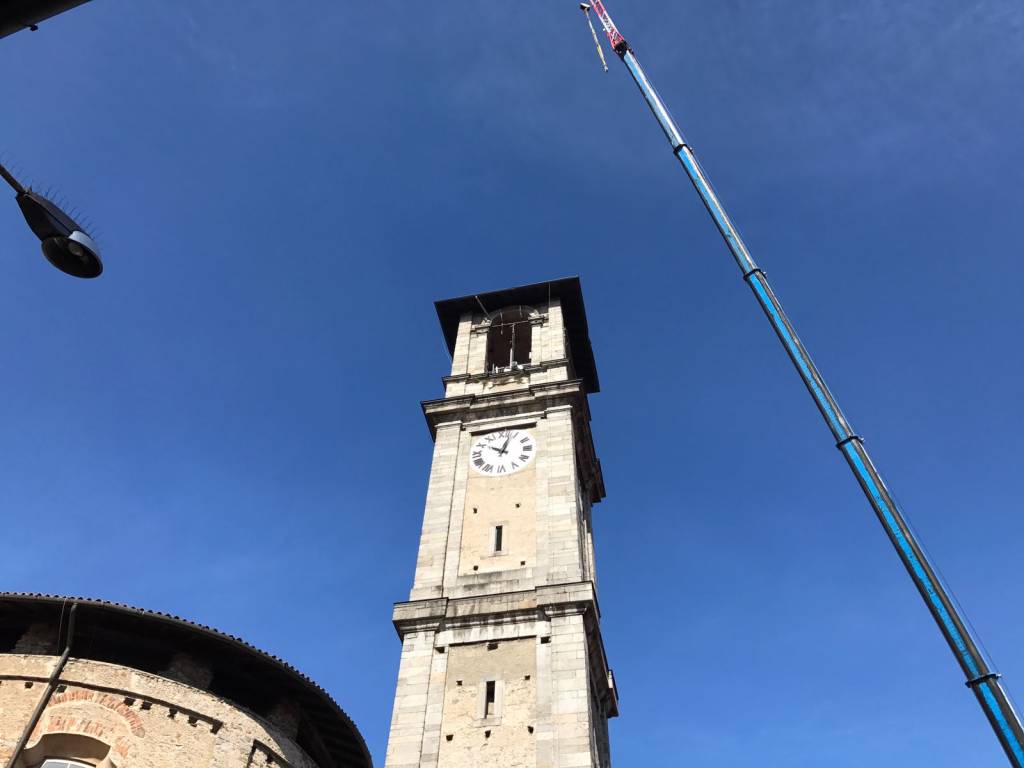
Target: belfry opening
{"x":509,"y":339}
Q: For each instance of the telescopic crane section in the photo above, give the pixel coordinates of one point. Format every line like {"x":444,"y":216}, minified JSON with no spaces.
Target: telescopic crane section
{"x":951,"y":622}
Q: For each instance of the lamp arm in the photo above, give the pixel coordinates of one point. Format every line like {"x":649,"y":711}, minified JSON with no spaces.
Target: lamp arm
{"x":15,"y":184}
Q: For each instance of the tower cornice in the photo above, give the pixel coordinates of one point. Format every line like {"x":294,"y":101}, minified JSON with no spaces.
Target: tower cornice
{"x":528,"y":398}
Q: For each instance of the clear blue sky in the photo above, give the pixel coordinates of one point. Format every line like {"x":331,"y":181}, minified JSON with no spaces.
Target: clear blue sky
{"x":281,"y":194}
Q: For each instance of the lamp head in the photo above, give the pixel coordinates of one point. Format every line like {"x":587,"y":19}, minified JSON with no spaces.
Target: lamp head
{"x":65,"y":244}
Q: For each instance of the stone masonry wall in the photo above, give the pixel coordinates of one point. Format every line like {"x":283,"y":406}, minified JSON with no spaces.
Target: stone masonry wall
{"x":505,"y":738}
{"x":510,"y":502}
{"x":537,"y":646}
{"x":120,"y":717}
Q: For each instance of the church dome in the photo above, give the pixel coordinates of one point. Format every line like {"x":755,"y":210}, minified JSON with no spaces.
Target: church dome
{"x":146,"y":688}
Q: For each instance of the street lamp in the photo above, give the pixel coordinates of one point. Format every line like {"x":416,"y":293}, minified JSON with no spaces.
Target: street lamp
{"x":65,"y":244}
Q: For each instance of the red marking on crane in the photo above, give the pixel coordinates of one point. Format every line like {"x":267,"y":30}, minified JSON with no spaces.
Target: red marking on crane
{"x":618,"y":42}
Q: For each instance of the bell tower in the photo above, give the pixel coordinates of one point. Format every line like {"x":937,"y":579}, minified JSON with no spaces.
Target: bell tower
{"x":502,"y":659}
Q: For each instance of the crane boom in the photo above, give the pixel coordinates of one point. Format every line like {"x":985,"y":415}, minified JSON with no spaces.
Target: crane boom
{"x":953,"y":625}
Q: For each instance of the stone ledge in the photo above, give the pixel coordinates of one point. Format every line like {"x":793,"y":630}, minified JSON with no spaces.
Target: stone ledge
{"x":438,"y":613}
{"x":419,"y":615}
{"x":445,"y":409}
{"x":580,"y":594}
{"x":457,"y":378}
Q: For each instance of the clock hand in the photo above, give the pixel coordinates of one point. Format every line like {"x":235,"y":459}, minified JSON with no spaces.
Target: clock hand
{"x":504,"y":448}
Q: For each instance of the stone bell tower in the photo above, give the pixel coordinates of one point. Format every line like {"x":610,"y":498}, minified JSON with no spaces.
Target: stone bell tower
{"x":502,"y":659}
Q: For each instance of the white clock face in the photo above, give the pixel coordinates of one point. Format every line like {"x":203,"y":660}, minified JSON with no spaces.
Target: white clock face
{"x":502,"y":452}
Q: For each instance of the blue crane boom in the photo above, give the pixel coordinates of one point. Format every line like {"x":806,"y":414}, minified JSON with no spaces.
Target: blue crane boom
{"x":980,"y":678}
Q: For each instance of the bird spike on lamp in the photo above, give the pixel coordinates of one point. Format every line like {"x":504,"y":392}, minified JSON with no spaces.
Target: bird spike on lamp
{"x":65,"y":243}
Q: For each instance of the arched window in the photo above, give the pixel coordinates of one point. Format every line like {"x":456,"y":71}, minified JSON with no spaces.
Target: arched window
{"x":78,"y":750}
{"x":509,"y":339}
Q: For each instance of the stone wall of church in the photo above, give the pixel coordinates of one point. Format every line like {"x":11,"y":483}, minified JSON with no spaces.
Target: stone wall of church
{"x":115,"y":717}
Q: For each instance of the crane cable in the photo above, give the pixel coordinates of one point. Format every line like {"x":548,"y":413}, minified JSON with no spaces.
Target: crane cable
{"x":585,"y":7}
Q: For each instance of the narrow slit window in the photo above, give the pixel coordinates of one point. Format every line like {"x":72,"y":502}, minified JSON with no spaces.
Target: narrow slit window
{"x":490,"y":697}
{"x":499,"y":537}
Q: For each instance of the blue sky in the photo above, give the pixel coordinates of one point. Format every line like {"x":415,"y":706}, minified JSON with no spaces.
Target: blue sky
{"x":209,"y":429}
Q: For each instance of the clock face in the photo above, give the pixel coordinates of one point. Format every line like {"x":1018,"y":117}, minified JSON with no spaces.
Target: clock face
{"x":502,"y":452}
